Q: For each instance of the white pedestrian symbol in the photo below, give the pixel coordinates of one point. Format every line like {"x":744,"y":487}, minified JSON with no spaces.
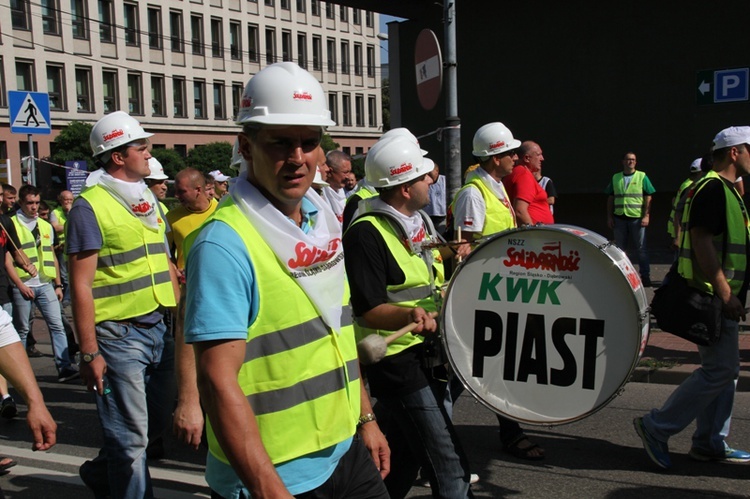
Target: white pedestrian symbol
{"x":29,"y":115}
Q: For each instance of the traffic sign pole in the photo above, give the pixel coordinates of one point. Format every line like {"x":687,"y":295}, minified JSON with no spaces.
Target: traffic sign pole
{"x":32,"y":161}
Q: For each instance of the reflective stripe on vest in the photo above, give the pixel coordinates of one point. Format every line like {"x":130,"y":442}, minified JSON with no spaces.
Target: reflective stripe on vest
{"x":34,"y":253}
{"x":416,"y":290}
{"x":670,"y":223}
{"x":300,"y":377}
{"x":497,"y":216}
{"x":628,"y":202}
{"x":132,"y":273}
{"x":734,"y":263}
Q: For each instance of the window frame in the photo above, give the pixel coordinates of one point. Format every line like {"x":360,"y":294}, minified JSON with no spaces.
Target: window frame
{"x":114,"y":98}
{"x":135,"y":99}
{"x":56,"y":93}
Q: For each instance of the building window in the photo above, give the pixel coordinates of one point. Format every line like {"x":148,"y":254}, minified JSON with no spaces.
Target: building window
{"x":181,"y":149}
{"x":83,"y":90}
{"x":106,"y":21}
{"x":158,"y":107}
{"x":344,"y":13}
{"x":346,"y":109}
{"x":301,"y":6}
{"x":235,"y":41}
{"x":356,"y":17}
{"x":132,"y":35}
{"x":196,"y":34}
{"x":56,"y":87}
{"x":333,"y":106}
{"x":199,"y":98}
{"x":135,"y":93}
{"x":217,"y":38}
{"x":370,"y":60}
{"x":269,"y":3}
{"x":331,"y":53}
{"x":372,"y":111}
{"x":286,"y":46}
{"x":315,"y":7}
{"x":50,"y":17}
{"x":79,"y":15}
{"x":237,"y":90}
{"x":252,"y":43}
{"x":175,"y":31}
{"x":345,"y":57}
{"x":329,"y":11}
{"x":285,"y":5}
{"x":358,"y":59}
{"x":154,"y":27}
{"x":270,"y":46}
{"x":359,"y":107}
{"x":220,"y":108}
{"x":178,"y":95}
{"x":317,"y":50}
{"x":19,"y":15}
{"x":3,"y":90}
{"x":369,"y":19}
{"x":25,"y":79}
{"x":109,"y":91}
{"x":302,"y":50}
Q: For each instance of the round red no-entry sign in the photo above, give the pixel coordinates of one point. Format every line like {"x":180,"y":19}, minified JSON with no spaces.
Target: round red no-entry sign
{"x":428,"y":64}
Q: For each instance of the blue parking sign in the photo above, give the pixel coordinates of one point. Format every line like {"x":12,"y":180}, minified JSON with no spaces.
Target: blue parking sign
{"x":731,"y":85}
{"x":29,"y":112}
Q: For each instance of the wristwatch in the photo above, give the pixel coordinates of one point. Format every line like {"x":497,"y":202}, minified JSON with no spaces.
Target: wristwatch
{"x":58,"y":286}
{"x":366,"y":419}
{"x":88,"y":357}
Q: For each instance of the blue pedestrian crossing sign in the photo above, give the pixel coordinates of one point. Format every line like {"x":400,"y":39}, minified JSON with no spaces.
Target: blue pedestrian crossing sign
{"x":29,"y":112}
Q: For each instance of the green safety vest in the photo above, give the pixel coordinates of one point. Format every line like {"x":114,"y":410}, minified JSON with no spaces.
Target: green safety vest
{"x":301,"y":378}
{"x":734,"y":263}
{"x":363,"y":191}
{"x":132,"y":275}
{"x":419,"y":289}
{"x":628,"y":202}
{"x":42,"y":253}
{"x":497,"y":217}
{"x":62,"y":218}
{"x":670,"y":223}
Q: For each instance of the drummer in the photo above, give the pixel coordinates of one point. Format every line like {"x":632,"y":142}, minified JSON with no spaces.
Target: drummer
{"x":394,"y":278}
{"x":482,"y":208}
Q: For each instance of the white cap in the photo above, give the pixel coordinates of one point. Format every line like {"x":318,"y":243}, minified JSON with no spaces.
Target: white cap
{"x":318,"y":180}
{"x":695,"y":166}
{"x":732,"y":136}
{"x":157,"y":171}
{"x":218,"y":176}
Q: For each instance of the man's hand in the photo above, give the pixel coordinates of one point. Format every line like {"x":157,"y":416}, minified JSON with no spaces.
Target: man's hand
{"x":187,"y":423}
{"x":645,"y":220}
{"x":425,"y":322}
{"x":734,"y":309}
{"x":30,"y":269}
{"x":610,"y":222}
{"x":26,"y":292}
{"x":59,"y":294}
{"x":377,"y":444}
{"x":92,"y":374}
{"x":42,"y":426}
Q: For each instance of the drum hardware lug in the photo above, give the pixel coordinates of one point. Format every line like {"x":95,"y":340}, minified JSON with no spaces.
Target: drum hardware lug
{"x":604,"y":246}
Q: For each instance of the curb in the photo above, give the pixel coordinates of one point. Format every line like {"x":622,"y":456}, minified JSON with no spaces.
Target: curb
{"x":676,"y":375}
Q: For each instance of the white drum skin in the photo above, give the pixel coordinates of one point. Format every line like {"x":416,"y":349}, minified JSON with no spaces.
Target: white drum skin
{"x":545,"y":324}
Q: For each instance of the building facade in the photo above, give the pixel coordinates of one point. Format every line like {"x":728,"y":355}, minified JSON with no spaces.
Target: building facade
{"x":180,"y":66}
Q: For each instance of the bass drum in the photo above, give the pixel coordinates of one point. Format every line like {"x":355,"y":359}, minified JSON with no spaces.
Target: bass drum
{"x":544,"y":325}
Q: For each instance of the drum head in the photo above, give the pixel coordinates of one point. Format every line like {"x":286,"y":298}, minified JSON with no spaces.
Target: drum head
{"x":544,"y":325}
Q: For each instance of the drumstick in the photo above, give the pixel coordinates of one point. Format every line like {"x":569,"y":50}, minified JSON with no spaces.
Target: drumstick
{"x":18,"y":250}
{"x":458,"y":257}
{"x":372,"y":348}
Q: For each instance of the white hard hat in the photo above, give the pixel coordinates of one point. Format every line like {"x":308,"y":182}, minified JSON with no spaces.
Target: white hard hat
{"x":157,"y":171}
{"x":318,"y":180}
{"x":394,"y":161}
{"x":493,"y":138}
{"x":284,"y":94}
{"x":115,"y":130}
{"x":403,"y":132}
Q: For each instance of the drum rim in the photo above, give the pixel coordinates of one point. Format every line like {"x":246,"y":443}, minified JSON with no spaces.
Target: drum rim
{"x":643,"y":318}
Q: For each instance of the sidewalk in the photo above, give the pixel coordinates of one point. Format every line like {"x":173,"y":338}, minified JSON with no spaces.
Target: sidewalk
{"x":668,"y":359}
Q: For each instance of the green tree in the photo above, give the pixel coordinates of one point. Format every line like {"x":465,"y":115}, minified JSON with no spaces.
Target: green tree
{"x":212,"y":156}
{"x":73,"y":145}
{"x":170,"y":160}
{"x":328,"y":144}
{"x":385,"y":95}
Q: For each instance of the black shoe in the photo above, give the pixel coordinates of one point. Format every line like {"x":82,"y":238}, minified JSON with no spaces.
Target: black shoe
{"x":67,"y":374}
{"x":32,"y":352}
{"x":8,"y":409}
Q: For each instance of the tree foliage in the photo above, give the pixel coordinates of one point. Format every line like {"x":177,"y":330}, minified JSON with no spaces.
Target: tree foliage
{"x":73,"y":145}
{"x":212,"y":156}
{"x":385,"y":95}
{"x":170,"y":160}
{"x":328,"y":144}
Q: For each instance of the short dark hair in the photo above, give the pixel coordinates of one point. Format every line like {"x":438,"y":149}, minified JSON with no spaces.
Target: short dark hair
{"x":28,"y":190}
{"x":9,"y":188}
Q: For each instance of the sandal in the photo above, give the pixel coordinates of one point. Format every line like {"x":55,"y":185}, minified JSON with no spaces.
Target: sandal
{"x":523,"y":448}
{"x":6,"y":463}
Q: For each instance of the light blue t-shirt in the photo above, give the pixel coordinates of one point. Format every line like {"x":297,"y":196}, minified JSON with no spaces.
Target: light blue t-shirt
{"x":221,"y":285}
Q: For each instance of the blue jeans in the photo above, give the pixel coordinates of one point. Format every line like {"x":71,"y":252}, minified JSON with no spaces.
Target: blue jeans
{"x":420,"y":434}
{"x":46,"y":300}
{"x":629,"y":232}
{"x":140,"y":373}
{"x":706,"y":396}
